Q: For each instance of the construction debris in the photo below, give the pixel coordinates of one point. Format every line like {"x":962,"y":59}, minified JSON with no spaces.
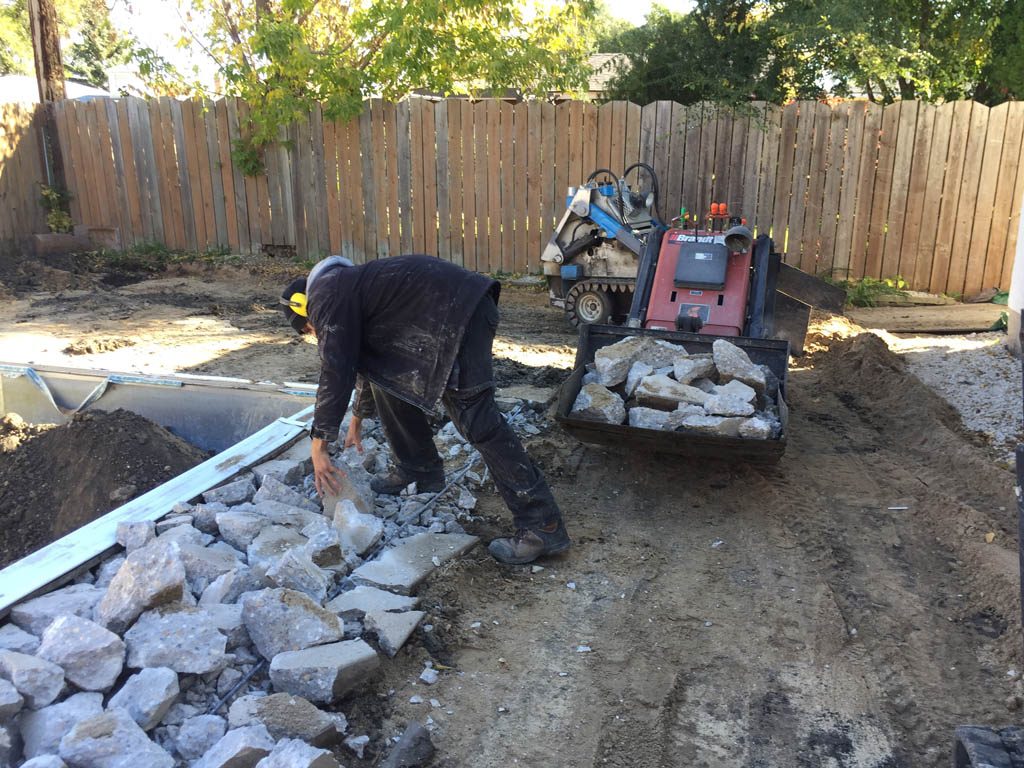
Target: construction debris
{"x":225,"y":633}
{"x":652,"y":384}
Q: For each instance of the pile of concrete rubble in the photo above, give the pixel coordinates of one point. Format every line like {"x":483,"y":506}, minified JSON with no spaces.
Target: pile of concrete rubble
{"x":226,"y":634}
{"x":654,"y":384}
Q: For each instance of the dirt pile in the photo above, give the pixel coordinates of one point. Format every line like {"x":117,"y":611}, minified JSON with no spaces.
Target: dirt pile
{"x":54,"y":479}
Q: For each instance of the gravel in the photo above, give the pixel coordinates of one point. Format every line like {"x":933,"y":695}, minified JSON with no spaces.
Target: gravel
{"x":977,"y":375}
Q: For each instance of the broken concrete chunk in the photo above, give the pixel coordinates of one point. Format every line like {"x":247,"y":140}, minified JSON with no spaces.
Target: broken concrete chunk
{"x":296,"y":570}
{"x":414,"y":748}
{"x":184,"y":534}
{"x":92,"y":657}
{"x":107,"y":570}
{"x":239,"y":528}
{"x":281,"y":620}
{"x":204,"y":565}
{"x":148,"y":695}
{"x":164,"y":524}
{"x":599,"y":403}
{"x":293,"y":717}
{"x":287,"y":471}
{"x":229,"y":494}
{"x":241,"y":748}
{"x":45,"y":761}
{"x":13,"y":638}
{"x":150,"y":577}
{"x":37,"y":680}
{"x":355,"y":486}
{"x":135,"y":534}
{"x":111,"y":740}
{"x":268,"y":547}
{"x":736,"y":388}
{"x":733,"y":363}
{"x":727,"y":405}
{"x":663,"y":354}
{"x":280,"y":513}
{"x":686,"y":369}
{"x":402,"y":568}
{"x":228,"y":619}
{"x":722,"y":426}
{"x":272,"y":489}
{"x":42,"y":731}
{"x":649,"y":418}
{"x":637,"y":372}
{"x":198,"y":734}
{"x":466,"y":500}
{"x":179,"y":713}
{"x":756,"y":429}
{"x":181,"y":638}
{"x":204,"y":517}
{"x":357,"y":602}
{"x":661,"y":392}
{"x":325,"y":673}
{"x":392,"y":629}
{"x":230,"y":586}
{"x":324,"y":547}
{"x":612,"y":363}
{"x":243,"y":710}
{"x":358,"y":531}
{"x":36,"y":615}
{"x":293,"y":753}
{"x":11,"y":701}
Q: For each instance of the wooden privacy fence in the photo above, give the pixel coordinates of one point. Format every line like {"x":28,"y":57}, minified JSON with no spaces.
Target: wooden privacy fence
{"x":21,"y":172}
{"x":931,"y":193}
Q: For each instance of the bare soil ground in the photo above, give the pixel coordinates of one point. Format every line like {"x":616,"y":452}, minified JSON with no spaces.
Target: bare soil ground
{"x":54,"y":479}
{"x":846,"y":608}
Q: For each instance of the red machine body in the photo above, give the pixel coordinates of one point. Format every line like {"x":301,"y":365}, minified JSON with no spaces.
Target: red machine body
{"x":699,"y":284}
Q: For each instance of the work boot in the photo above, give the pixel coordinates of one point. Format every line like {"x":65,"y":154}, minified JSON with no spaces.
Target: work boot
{"x":530,"y":543}
{"x":395,"y":481}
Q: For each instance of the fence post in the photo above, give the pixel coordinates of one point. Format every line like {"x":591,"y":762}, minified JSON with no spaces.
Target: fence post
{"x":1016,"y":302}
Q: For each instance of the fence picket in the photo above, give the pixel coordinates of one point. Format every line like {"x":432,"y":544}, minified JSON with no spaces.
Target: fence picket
{"x":975,"y":278}
{"x":849,"y":190}
{"x":999,"y":264}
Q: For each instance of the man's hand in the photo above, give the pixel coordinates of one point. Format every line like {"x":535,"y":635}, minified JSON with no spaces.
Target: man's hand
{"x":326,"y":476}
{"x":355,"y":434}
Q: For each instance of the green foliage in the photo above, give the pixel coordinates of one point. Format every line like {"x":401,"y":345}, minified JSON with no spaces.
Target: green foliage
{"x":1002,"y":77}
{"x":282,"y":56}
{"x":59,"y":222}
{"x":867,"y":291}
{"x":98,"y":47}
{"x":737,"y":50}
{"x":902,"y":49}
{"x":55,"y":200}
{"x":15,"y":39}
{"x":723,"y":51}
{"x":247,"y":157}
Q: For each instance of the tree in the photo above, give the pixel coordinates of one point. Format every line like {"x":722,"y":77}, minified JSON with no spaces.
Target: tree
{"x":723,"y":50}
{"x":284,"y":55}
{"x":1002,"y":77}
{"x":900,"y":49}
{"x":99,"y":46}
{"x":15,"y":38}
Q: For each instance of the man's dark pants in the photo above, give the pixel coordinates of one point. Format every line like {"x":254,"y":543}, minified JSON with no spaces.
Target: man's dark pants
{"x":469,"y":402}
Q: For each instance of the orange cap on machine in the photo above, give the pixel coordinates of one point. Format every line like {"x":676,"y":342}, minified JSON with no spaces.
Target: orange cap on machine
{"x":714,"y":209}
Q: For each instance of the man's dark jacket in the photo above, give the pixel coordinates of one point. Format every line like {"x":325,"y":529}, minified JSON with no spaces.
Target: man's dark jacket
{"x":397,"y":322}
